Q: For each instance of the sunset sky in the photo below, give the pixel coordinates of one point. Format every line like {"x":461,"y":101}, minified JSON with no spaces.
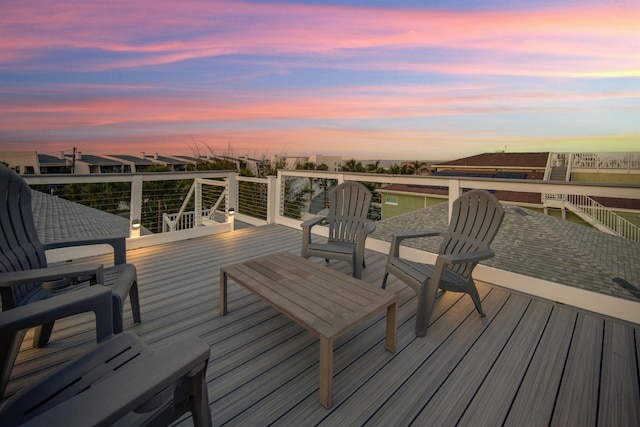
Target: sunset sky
{"x":429,"y":80}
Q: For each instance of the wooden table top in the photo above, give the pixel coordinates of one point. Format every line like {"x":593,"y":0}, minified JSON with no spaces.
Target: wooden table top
{"x":326,"y":302}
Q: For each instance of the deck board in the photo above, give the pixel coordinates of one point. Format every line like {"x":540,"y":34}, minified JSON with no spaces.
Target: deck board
{"x":535,"y":397}
{"x":529,"y":362}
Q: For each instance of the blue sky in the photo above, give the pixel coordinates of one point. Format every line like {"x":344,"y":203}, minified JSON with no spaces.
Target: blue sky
{"x":364,"y":79}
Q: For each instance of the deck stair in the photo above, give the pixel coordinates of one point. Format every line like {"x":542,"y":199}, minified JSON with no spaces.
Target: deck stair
{"x":558,"y":173}
{"x":588,"y":209}
{"x":601,"y":217}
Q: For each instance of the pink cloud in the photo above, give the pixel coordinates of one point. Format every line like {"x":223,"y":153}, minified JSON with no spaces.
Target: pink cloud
{"x":167,"y":32}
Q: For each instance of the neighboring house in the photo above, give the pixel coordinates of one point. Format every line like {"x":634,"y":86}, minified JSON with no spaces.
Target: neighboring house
{"x":88,"y":164}
{"x":288,"y":162}
{"x":506,"y":164}
{"x":52,"y":164}
{"x":135,"y":164}
{"x":619,"y":168}
{"x":398,"y":199}
{"x":174,"y":164}
{"x":22,"y":162}
{"x":334,"y":163}
{"x":189,"y":160}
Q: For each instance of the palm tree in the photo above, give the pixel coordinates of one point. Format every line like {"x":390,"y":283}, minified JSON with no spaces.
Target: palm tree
{"x":353,"y":166}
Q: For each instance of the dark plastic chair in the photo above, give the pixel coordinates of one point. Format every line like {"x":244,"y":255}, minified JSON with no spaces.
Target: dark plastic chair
{"x":475,"y":220}
{"x":121,"y":382}
{"x":348,"y":227}
{"x":25,"y":277}
{"x":13,"y":323}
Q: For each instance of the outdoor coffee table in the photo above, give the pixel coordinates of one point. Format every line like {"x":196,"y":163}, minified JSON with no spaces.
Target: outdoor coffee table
{"x":324,"y":301}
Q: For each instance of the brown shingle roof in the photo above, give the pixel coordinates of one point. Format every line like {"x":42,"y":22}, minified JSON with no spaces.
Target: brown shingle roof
{"x":527,"y":160}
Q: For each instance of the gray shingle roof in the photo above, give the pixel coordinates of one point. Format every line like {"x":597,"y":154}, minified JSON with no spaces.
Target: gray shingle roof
{"x":541,"y":246}
{"x":57,"y":219}
{"x":45,"y":159}
{"x":132,"y":159}
{"x":97,"y":160}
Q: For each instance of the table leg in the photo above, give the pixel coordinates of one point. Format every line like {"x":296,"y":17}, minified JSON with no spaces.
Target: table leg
{"x":326,"y":371}
{"x":223,"y":293}
{"x":392,"y":327}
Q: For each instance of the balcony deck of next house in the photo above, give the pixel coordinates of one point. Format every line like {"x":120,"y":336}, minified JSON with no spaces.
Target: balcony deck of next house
{"x":528,"y":362}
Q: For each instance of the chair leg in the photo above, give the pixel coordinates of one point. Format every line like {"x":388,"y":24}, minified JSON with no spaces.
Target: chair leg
{"x":42,"y":334}
{"x":117,"y":306}
{"x":200,"y":411}
{"x":356,"y":269}
{"x":426,"y":301}
{"x":10,"y":343}
{"x":384,"y":279}
{"x":473,"y":293}
{"x":134,"y":299}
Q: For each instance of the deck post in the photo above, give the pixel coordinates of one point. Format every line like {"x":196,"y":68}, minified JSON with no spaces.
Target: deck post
{"x":272,"y":203}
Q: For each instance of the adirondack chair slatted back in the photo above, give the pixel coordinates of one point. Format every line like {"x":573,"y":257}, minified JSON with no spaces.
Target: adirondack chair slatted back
{"x":20,"y":248}
{"x":348,"y":209}
{"x":475,"y":220}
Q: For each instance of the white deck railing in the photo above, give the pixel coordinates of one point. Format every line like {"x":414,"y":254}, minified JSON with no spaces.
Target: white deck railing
{"x":264,"y":200}
{"x":250,"y":191}
{"x":620,"y":161}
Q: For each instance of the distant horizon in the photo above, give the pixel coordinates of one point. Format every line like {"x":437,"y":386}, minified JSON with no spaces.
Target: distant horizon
{"x":363,"y":160}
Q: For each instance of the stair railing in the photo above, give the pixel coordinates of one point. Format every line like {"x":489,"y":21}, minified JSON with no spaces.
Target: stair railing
{"x":605,"y":216}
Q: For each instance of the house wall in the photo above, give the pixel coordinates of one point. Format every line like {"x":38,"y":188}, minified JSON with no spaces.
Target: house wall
{"x":405,"y":203}
{"x":23,"y":162}
{"x":625,"y":177}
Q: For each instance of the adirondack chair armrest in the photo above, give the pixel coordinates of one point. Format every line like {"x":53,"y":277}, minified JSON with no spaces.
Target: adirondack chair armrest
{"x":306,"y":230}
{"x":142,"y":386}
{"x":397,"y":238}
{"x":118,"y":243}
{"x":362,"y":234}
{"x":93,"y":272}
{"x":467,"y":257}
{"x":97,"y":299}
{"x":306,"y":225}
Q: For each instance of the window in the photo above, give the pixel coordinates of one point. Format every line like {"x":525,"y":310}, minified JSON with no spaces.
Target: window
{"x":391,"y":200}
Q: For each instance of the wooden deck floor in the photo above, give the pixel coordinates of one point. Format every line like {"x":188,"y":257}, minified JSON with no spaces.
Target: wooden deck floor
{"x":529,"y":362}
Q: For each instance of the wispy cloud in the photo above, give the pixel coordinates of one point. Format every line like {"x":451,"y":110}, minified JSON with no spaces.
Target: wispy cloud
{"x":169,"y":32}
{"x":269,"y":73}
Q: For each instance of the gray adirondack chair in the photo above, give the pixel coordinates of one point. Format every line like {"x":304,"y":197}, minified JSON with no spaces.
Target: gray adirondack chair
{"x":121,"y":382}
{"x":25,"y":277}
{"x":475,"y":220}
{"x":348,"y":227}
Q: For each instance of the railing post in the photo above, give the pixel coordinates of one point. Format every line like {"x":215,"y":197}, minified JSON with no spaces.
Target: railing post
{"x":135,"y":207}
{"x":272,"y":200}
{"x":197,"y":202}
{"x":455,"y":191}
{"x":279,"y":196}
{"x":232,"y":192}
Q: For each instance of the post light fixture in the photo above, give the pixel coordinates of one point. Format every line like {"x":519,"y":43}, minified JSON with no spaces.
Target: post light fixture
{"x":135,"y":228}
{"x":230,"y":217}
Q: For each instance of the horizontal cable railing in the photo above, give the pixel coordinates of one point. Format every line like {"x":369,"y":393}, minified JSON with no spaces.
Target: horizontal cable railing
{"x":289,"y":196}
{"x":253,"y":197}
{"x":150,"y":198}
